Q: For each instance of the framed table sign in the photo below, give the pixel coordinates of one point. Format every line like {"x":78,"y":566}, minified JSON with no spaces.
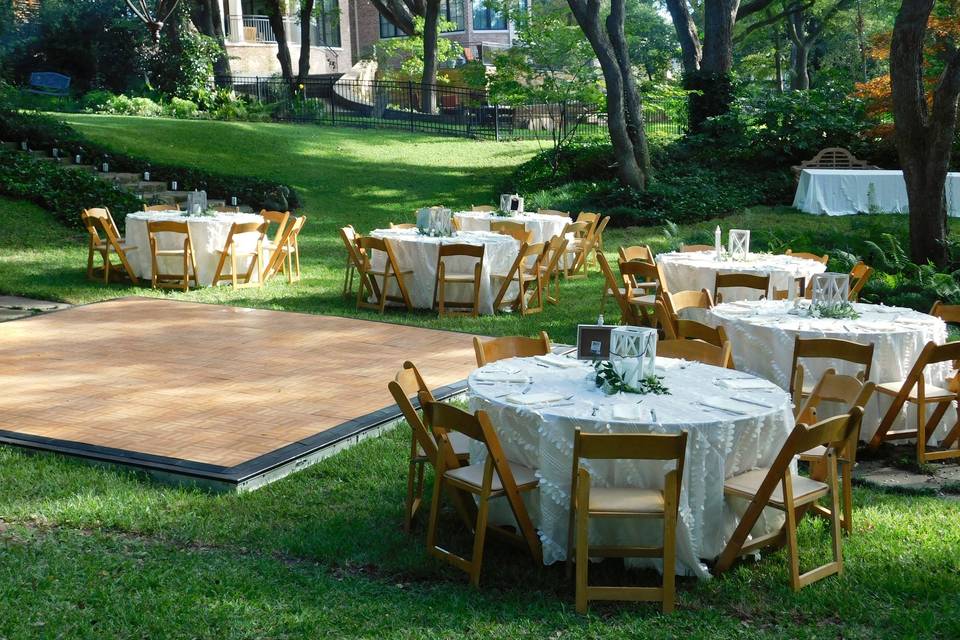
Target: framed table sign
{"x":593,"y":341}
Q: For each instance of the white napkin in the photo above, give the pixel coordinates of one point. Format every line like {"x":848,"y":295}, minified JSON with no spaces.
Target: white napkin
{"x":553,"y":360}
{"x":744,"y":383}
{"x":631,"y":411}
{"x":534,"y":398}
{"x":499,"y":376}
{"x":724,"y":405}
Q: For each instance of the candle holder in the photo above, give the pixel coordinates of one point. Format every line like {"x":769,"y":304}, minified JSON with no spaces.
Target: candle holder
{"x":435,"y":221}
{"x":633,"y":353}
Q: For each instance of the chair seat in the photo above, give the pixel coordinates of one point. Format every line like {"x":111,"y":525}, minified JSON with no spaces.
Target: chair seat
{"x":626,"y":500}
{"x":458,"y":277}
{"x":391,"y":274}
{"x":170,"y":252}
{"x":459,"y":442}
{"x":102,"y":246}
{"x":932,"y":393}
{"x":649,"y":300}
{"x":747,"y":484}
{"x":472,"y":476}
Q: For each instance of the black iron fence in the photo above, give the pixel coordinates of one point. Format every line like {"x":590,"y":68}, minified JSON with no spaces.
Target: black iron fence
{"x":459,"y":111}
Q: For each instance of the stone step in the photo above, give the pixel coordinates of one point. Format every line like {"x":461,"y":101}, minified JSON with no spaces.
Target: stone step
{"x":79,"y":167}
{"x":120,"y":177}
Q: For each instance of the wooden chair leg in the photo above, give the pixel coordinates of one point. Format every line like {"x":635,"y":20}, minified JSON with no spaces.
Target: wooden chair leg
{"x":835,"y":527}
{"x":90,"y":262}
{"x":669,"y":548}
{"x":479,"y":538}
{"x":411,"y":471}
{"x":434,"y":513}
{"x":793,"y":551}
{"x":921,"y":432}
{"x":106,"y":265}
{"x":847,"y":479}
{"x":583,"y":545}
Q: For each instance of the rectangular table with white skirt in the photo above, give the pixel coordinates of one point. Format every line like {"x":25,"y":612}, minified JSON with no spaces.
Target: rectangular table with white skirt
{"x":841,"y":192}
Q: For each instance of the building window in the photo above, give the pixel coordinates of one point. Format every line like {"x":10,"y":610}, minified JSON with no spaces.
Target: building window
{"x":452,"y":11}
{"x":328,"y":22}
{"x":388,"y":29}
{"x":487,"y":18}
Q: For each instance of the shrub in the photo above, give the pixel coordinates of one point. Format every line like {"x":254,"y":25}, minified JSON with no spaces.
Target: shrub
{"x":61,"y":191}
{"x":97,"y":101}
{"x":180,"y":108}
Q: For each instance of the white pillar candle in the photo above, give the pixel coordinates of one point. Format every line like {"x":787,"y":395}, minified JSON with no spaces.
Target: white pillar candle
{"x":173,"y":186}
{"x":146,"y":176}
{"x":77,"y":159}
{"x":233,"y":201}
{"x":105,"y":167}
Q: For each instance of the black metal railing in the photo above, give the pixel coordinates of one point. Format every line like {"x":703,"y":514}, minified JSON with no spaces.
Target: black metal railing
{"x":458,"y":111}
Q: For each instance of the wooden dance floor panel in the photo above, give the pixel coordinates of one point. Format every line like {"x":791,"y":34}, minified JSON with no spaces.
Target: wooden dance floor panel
{"x":216,"y":392}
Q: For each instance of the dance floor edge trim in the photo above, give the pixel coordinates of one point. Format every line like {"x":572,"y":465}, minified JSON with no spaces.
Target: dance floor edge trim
{"x":248,"y":475}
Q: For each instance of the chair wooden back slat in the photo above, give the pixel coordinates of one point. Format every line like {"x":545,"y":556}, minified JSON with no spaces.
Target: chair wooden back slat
{"x":279,"y":218}
{"x":695,"y":248}
{"x":403,"y":225}
{"x":832,"y":348}
{"x":161,"y":207}
{"x":824,"y":259}
{"x":860,"y":274}
{"x":946,"y":312}
{"x":516,"y":230}
{"x":744,"y":280}
{"x":628,"y":315}
{"x":553,"y":212}
{"x":483,"y":208}
{"x":494,"y":349}
{"x":697,"y":350}
{"x":638,"y":253}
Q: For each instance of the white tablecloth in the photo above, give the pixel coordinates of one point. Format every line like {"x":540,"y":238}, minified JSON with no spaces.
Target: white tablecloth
{"x":840,"y":192}
{"x":419,"y":253}
{"x":208,"y":233}
{"x":762,"y":336}
{"x":719,"y":445}
{"x":543,"y":226}
{"x":698,"y":270}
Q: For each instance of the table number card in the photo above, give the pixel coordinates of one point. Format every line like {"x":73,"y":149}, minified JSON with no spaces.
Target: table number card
{"x":633,"y":353}
{"x":830,"y":290}
{"x":593,"y":341}
{"x":739,"y":244}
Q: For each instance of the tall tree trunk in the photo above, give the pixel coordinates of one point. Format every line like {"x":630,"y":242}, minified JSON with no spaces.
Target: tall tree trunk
{"x":800,"y":80}
{"x":306,"y":29}
{"x":208,"y":21}
{"x":924,"y":131}
{"x":633,"y":107}
{"x":622,"y":127}
{"x":778,"y":59}
{"x":713,"y":83}
{"x":862,"y":41}
{"x":275,"y":14}
{"x":430,"y":35}
{"x":687,"y":35}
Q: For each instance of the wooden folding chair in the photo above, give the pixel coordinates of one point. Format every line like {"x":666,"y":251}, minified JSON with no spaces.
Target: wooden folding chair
{"x":354,"y":259}
{"x":172,"y":280}
{"x":97,"y":222}
{"x":832,"y":348}
{"x":695,"y":248}
{"x":743,"y":280}
{"x":226,"y":208}
{"x":946,"y":312}
{"x":628,"y":313}
{"x":696,"y":350}
{"x":588,"y":502}
{"x":494,"y":349}
{"x":516,"y":230}
{"x":445,"y":278}
{"x":578,"y":236}
{"x":675,"y":328}
{"x":409,"y":384}
{"x":286,"y":253}
{"x":279,"y":218}
{"x":553,"y":212}
{"x":403,"y":225}
{"x":553,"y":253}
{"x":824,"y":259}
{"x":649,"y":280}
{"x":914,"y":390}
{"x":851,"y":392}
{"x":596,"y":240}
{"x":161,"y":207}
{"x":525,"y":271}
{"x":368,"y":288}
{"x":859,"y":276}
{"x":800,"y":286}
{"x":638,"y":253}
{"x":674,"y":303}
{"x":776,"y":486}
{"x":494,"y":478}
{"x":231,"y":251}
{"x":484,"y":208}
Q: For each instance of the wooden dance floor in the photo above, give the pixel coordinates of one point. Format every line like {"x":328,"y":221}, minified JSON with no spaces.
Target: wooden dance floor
{"x":226,"y":396}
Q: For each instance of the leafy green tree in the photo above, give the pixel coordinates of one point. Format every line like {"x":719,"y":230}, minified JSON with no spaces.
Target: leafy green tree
{"x":651,"y":39}
{"x":408,"y":51}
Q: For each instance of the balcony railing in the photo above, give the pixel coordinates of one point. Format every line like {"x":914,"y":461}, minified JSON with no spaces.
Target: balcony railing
{"x":257,"y":29}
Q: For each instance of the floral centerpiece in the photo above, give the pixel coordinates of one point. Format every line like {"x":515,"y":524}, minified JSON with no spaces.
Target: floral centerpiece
{"x":436,"y":222}
{"x":631,"y":368}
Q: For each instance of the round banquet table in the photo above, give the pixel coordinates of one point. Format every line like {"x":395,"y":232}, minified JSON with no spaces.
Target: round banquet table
{"x":762,"y":335}
{"x":543,"y":226}
{"x":418,"y":253}
{"x":208,"y":234}
{"x":731,"y":437}
{"x":698,"y":270}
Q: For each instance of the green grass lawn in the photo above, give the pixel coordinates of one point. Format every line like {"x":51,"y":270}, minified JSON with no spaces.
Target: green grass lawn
{"x":98,"y":553}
